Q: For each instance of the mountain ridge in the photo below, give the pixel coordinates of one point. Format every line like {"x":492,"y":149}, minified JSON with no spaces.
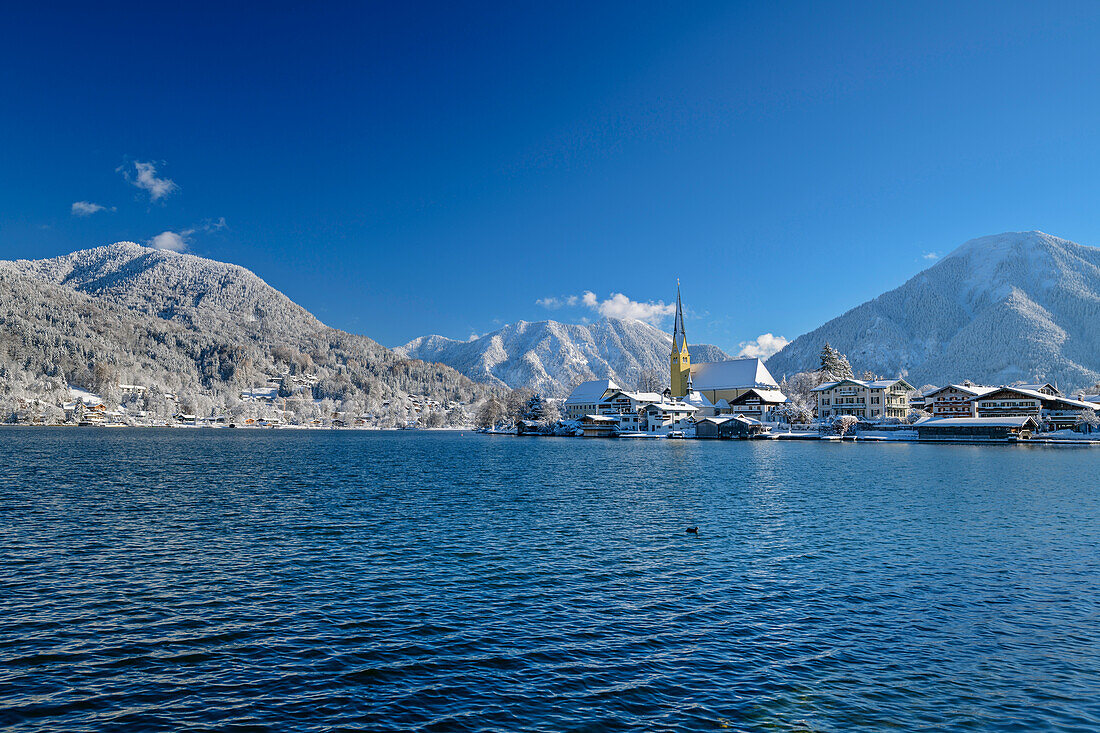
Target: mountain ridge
{"x":551,"y":357}
{"x":997,"y":309}
{"x":128,"y":313}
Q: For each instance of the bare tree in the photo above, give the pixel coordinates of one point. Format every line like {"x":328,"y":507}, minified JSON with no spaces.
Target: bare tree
{"x":650,"y":381}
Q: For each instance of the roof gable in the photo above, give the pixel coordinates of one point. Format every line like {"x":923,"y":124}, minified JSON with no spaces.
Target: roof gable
{"x":592,"y":391}
{"x":731,"y":374}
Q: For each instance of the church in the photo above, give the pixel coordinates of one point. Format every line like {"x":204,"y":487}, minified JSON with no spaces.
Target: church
{"x":736,"y":385}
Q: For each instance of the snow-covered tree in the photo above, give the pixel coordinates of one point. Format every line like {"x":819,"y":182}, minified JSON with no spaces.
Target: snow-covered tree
{"x":796,"y":413}
{"x":491,"y":413}
{"x":799,"y":389}
{"x":1090,"y":418}
{"x":551,"y":413}
{"x":534,"y":410}
{"x":651,"y":381}
{"x":516,"y":404}
{"x":844,"y":423}
{"x":914,"y":415}
{"x":834,"y":365}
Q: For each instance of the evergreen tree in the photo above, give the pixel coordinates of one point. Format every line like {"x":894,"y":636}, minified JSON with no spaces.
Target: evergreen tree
{"x":534,"y":409}
{"x":835,"y":364}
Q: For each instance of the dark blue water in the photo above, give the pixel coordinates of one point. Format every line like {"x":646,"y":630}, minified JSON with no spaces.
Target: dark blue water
{"x":163,"y":580}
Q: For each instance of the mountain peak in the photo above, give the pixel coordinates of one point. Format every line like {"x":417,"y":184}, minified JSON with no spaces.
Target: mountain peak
{"x":998,"y":308}
{"x":552,"y":357}
{"x":1009,"y":244}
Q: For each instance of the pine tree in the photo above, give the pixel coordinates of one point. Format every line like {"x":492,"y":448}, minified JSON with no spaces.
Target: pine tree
{"x":835,"y":364}
{"x":534,"y":409}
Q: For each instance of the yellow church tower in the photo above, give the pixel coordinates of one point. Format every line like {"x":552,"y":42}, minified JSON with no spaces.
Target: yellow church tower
{"x":680,"y":359}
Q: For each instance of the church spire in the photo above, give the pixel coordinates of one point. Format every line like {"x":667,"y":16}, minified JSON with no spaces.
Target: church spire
{"x":680,"y":359}
{"x":679,"y":338}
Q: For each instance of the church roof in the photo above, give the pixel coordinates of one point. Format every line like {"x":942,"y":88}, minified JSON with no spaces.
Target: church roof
{"x":732,"y":374}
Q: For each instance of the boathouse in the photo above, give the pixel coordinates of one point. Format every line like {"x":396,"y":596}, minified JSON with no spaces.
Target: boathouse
{"x":977,"y":428}
{"x":599,"y":426}
{"x":727,"y":427}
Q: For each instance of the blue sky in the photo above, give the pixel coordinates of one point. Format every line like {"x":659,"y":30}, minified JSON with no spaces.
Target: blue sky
{"x":439,"y":169}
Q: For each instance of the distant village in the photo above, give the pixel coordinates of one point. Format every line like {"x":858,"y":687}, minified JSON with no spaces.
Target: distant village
{"x":739,"y":398}
{"x":281,"y":401}
{"x":735,"y":398}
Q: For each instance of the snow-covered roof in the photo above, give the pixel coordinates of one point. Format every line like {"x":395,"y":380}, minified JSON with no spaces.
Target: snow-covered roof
{"x":672,"y":407}
{"x":1079,"y":404}
{"x":1038,"y":387}
{"x":975,"y":389}
{"x":592,"y":391}
{"x":1043,"y":397}
{"x":975,"y":421}
{"x":874,"y":384}
{"x":697,"y":398}
{"x":636,"y":396}
{"x":600,"y":418}
{"x":722,"y":404}
{"x":83,"y":395}
{"x":1090,"y":398}
{"x":771,"y":396}
{"x":747,"y":420}
{"x":732,"y":374}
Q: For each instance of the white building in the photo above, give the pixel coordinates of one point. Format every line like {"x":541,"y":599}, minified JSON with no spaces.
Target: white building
{"x":661,"y":418}
{"x":873,"y":400}
{"x":586,"y":397}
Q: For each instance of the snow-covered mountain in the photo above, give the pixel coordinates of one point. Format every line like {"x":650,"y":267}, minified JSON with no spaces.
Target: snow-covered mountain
{"x":132,"y":314}
{"x":552,"y":357}
{"x":1013,"y":306}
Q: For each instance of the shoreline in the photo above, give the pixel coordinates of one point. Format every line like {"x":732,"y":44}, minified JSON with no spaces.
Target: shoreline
{"x":778,"y":437}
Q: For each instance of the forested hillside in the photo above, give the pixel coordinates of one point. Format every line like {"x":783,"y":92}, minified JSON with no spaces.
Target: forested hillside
{"x":205,"y":330}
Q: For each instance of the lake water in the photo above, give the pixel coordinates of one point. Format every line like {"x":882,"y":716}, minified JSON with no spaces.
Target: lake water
{"x":170,"y":579}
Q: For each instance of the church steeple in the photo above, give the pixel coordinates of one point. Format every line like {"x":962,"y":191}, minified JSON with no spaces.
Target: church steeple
{"x":680,"y":359}
{"x":679,"y":338}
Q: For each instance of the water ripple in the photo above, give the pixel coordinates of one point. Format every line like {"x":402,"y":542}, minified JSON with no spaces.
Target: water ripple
{"x":166,"y":580}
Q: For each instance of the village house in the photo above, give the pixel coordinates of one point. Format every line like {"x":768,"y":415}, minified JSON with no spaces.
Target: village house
{"x":954,"y":400}
{"x":920,"y":401}
{"x":868,"y":400}
{"x":758,"y":404}
{"x":662,"y":418}
{"x":620,"y":402}
{"x":586,"y":397}
{"x":1061,"y":412}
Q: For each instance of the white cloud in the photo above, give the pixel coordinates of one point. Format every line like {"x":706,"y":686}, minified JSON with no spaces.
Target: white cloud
{"x":764,"y":346}
{"x":617,"y":306}
{"x":144,"y":176}
{"x":554,"y":303}
{"x":214,"y":225}
{"x":170,"y":241}
{"x":620,"y":306}
{"x":930,"y":256}
{"x":87,"y":208}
